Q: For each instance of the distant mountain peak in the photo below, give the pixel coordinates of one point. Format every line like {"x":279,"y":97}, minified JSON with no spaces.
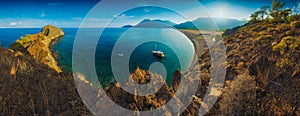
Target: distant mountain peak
{"x":211,"y":23}
{"x":152,"y":23}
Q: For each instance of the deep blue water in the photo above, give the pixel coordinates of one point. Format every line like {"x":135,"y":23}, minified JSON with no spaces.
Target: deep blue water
{"x":140,"y":57}
{"x":10,"y":35}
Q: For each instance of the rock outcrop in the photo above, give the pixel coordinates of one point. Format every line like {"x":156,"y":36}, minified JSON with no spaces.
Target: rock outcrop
{"x":39,"y":45}
{"x":135,"y":102}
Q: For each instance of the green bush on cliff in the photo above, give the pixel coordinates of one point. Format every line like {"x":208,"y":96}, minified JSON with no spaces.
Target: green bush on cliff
{"x":263,"y":33}
{"x":264,"y":38}
{"x":295,"y":17}
{"x":287,"y":43}
{"x":283,"y":62}
{"x":287,"y":47}
{"x":291,"y":41}
{"x":24,"y":39}
{"x":288,"y":33}
{"x":15,"y":46}
{"x":283,"y":27}
{"x":280,"y":47}
{"x":295,"y":24}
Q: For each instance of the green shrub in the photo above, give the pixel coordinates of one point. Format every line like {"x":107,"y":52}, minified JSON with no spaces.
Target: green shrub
{"x":24,"y":39}
{"x":283,"y":27}
{"x":288,"y":33}
{"x":294,"y":17}
{"x":286,"y":47}
{"x":287,"y":43}
{"x":15,"y":46}
{"x":283,"y":62}
{"x":264,"y":38}
{"x":295,"y":24}
{"x":263,"y":33}
{"x":291,"y":41}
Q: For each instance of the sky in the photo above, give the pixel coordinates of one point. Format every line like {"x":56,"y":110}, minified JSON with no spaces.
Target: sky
{"x":67,"y":13}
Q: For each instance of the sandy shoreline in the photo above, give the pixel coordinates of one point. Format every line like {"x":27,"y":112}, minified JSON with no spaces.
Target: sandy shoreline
{"x":197,"y":38}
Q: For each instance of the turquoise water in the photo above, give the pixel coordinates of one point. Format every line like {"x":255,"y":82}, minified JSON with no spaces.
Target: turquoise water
{"x":176,"y":50}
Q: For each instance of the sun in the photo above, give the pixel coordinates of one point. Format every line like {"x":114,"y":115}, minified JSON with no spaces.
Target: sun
{"x":220,"y":14}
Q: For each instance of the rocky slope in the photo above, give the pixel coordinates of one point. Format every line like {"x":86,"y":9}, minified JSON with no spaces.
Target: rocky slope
{"x":263,"y":73}
{"x":38,"y":45}
{"x":262,"y":61}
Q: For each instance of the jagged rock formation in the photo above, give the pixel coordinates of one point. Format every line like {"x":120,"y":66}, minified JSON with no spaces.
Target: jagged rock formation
{"x":127,"y":100}
{"x":140,"y":103}
{"x":39,"y":45}
{"x":135,"y":102}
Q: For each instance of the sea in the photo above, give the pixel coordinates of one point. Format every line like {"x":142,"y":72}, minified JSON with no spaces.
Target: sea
{"x":177,"y":48}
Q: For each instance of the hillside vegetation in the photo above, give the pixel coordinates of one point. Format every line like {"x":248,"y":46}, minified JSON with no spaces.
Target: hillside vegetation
{"x":267,"y":54}
{"x":263,"y":66}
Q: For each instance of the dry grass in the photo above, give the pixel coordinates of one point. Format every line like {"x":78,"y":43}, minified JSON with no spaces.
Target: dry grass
{"x":31,"y":88}
{"x":239,"y":97}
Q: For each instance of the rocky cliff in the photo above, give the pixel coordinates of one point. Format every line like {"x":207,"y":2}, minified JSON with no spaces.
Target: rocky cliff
{"x":39,"y":45}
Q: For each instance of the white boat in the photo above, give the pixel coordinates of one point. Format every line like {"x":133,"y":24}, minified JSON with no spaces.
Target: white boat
{"x":120,"y":54}
{"x":158,"y":53}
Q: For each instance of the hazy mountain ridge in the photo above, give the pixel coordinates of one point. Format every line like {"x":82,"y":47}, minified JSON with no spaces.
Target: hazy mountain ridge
{"x":211,"y":23}
{"x":203,"y":23}
{"x":149,"y":23}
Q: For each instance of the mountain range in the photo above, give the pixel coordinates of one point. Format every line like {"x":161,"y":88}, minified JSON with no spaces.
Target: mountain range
{"x":207,"y":23}
{"x":156,"y":23}
{"x":203,"y":23}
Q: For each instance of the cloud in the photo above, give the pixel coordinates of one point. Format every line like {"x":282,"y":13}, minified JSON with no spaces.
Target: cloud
{"x":147,"y":10}
{"x":13,"y":23}
{"x":299,"y":6}
{"x":38,"y":22}
{"x":122,"y":16}
{"x":95,"y":22}
{"x":58,"y":3}
{"x":76,"y":18}
{"x":296,"y":8}
{"x":24,"y":22}
{"x":42,"y":14}
{"x":115,"y":15}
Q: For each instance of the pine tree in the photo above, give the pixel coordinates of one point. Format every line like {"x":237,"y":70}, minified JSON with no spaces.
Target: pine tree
{"x":275,"y":12}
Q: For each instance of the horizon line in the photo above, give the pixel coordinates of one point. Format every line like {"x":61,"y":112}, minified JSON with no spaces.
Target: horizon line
{"x":122,"y":25}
